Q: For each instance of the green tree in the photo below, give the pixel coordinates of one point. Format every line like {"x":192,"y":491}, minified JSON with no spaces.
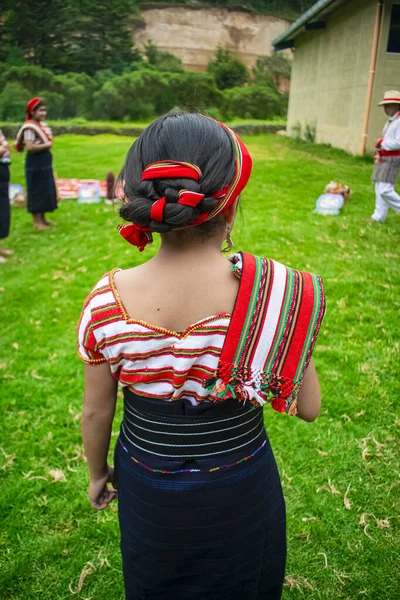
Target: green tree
{"x":227,"y":71}
{"x":194,"y":90}
{"x":100,"y":37}
{"x":252,"y":102}
{"x":30,"y":77}
{"x":161,"y":60}
{"x":13,"y":99}
{"x":271,"y":68}
{"x":69,"y":35}
{"x":39,"y":28}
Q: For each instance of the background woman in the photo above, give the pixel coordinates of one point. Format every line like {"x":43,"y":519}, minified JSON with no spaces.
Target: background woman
{"x":199,"y":343}
{"x":37,"y":138}
{"x":5,"y":160}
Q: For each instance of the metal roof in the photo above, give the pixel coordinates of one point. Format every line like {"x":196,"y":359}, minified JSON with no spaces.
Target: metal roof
{"x":318,"y":11}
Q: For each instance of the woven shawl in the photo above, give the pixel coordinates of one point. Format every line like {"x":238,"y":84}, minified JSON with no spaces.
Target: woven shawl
{"x":41,"y":129}
{"x":272,"y":333}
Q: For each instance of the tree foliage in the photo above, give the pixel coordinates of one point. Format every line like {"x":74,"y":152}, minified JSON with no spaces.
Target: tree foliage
{"x":161,"y":60}
{"x":272,"y":68}
{"x":227,"y":70}
{"x":253,"y":102}
{"x":78,"y":55}
{"x":68,"y":35}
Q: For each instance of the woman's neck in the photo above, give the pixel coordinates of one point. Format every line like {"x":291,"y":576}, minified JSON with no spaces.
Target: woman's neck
{"x":190,"y":250}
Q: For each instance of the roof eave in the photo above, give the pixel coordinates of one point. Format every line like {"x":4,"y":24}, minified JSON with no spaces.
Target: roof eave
{"x":298,"y":26}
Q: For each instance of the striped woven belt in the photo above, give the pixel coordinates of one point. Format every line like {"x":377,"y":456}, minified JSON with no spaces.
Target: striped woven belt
{"x":208,"y":430}
{"x":389,"y":152}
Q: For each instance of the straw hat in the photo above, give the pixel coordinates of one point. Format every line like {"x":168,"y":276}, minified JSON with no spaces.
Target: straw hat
{"x":390,"y":97}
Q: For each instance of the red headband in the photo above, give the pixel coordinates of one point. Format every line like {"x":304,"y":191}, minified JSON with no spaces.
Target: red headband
{"x":140,"y":236}
{"x":30,"y":107}
{"x":165,"y":169}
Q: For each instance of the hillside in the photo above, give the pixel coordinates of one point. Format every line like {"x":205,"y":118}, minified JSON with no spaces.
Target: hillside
{"x":192,"y":33}
{"x":286,"y":9}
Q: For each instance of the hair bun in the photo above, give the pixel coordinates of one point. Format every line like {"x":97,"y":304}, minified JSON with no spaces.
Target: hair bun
{"x":189,"y":137}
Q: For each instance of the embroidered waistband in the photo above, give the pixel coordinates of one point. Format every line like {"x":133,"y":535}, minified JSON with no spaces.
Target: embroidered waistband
{"x":191,"y":436}
{"x":223,"y":467}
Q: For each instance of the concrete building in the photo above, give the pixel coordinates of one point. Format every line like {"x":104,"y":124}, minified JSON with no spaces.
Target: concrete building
{"x":346,"y":54}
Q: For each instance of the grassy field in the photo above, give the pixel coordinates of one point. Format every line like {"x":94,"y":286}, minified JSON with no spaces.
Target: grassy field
{"x":341,"y":474}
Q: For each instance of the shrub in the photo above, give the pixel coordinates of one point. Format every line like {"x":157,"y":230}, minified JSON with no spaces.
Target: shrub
{"x":31,"y":78}
{"x":161,"y":60}
{"x":252,"y":102}
{"x":13,"y":100}
{"x":227,"y":71}
{"x":310,"y":131}
{"x":67,"y":95}
{"x":54,"y":103}
{"x":133,"y":96}
{"x":108,"y":103}
{"x":271,"y":68}
{"x":77,"y":90}
{"x":193,"y":90}
{"x":284,"y":104}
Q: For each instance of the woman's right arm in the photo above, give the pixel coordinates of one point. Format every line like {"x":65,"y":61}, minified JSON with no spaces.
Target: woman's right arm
{"x":309,"y":398}
{"x":3,"y":150}
{"x":97,"y":417}
{"x":32,"y":147}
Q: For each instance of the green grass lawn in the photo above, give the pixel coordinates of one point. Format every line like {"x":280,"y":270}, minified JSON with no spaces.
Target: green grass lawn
{"x":341,"y":474}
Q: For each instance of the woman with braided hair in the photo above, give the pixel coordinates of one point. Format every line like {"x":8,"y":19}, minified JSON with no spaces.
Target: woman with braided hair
{"x":199,"y":343}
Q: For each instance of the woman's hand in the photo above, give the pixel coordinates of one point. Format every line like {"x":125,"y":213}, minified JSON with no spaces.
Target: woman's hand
{"x":100,"y":495}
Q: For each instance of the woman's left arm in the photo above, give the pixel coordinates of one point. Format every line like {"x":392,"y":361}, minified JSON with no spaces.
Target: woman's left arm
{"x":97,"y":417}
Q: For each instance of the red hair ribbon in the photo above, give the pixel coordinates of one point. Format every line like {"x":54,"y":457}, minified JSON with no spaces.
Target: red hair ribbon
{"x":165,"y":169}
{"x":30,"y":107}
{"x":188,"y":198}
{"x":136,"y":235}
{"x":157,"y":210}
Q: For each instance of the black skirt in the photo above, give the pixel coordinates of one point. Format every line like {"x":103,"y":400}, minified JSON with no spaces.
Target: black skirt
{"x":198,"y":528}
{"x":42,"y":194}
{"x":5,"y":212}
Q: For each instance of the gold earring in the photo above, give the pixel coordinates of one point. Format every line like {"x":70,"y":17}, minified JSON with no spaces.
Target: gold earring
{"x":229,"y":241}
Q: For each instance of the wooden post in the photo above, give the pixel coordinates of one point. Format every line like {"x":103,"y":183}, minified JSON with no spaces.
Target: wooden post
{"x":371,"y":77}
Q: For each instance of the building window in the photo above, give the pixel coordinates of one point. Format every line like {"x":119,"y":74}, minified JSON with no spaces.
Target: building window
{"x":394,"y":31}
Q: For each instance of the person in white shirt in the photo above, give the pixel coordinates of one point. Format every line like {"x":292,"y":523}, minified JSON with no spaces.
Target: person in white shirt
{"x":387,"y":159}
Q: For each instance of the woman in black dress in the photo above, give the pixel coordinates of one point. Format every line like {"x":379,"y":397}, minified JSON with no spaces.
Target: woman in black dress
{"x":5,"y":160}
{"x":199,"y":344}
{"x":36,"y":136}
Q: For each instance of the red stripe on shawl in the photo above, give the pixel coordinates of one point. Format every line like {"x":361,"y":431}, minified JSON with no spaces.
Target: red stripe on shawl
{"x":167,"y":375}
{"x":238,"y":317}
{"x":302,"y":325}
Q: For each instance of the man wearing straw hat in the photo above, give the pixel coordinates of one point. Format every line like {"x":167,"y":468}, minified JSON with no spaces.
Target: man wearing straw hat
{"x":387,"y":159}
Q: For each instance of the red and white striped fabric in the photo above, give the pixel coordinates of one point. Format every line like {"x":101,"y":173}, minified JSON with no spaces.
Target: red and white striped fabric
{"x":152,"y":361}
{"x":258,"y":354}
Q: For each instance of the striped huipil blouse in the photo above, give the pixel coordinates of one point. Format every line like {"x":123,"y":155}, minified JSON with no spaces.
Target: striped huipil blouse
{"x":153,"y":361}
{"x":278,"y":309}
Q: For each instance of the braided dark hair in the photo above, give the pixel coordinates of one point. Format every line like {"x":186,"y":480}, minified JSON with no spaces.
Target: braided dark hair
{"x":187,"y":137}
